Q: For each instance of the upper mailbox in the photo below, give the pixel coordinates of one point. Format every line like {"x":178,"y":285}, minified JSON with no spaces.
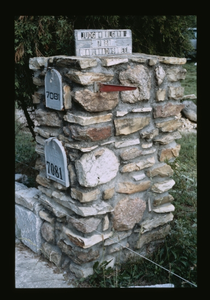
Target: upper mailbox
{"x":53,"y":89}
{"x":93,"y":42}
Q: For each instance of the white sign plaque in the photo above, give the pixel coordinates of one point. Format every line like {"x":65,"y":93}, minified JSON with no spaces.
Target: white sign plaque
{"x":97,"y":42}
{"x":53,"y":89}
{"x":56,"y":161}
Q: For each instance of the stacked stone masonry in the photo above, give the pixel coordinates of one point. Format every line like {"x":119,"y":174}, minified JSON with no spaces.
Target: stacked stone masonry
{"x":116,"y":144}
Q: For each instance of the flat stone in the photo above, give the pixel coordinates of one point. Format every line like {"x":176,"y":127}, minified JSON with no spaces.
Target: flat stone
{"x":20,"y":186}
{"x":39,"y":149}
{"x":67,"y":97}
{"x":85,"y":225}
{"x":47,"y":232}
{"x":85,"y":242}
{"x":82,"y":120}
{"x":98,"y":167}
{"x":138,"y":76}
{"x":111,"y":61}
{"x":74,"y":61}
{"x":121,"y":113}
{"x":131,"y":188}
{"x":164,"y":186}
{"x":40,"y":179}
{"x":80,"y":147}
{"x":167,"y":110}
{"x":129,"y":125}
{"x":176,"y":73}
{"x":146,"y":145}
{"x":79,"y":271}
{"x":127,"y":143}
{"x":88,"y":78}
{"x":175,"y":93}
{"x":130,"y":153}
{"x":161,"y":95}
{"x":106,"y":223}
{"x":167,"y":138}
{"x":42,"y":132}
{"x":143,"y":109}
{"x":172,"y":60}
{"x":161,"y":169}
{"x":190,"y":96}
{"x":156,"y":234}
{"x":169,"y":153}
{"x":147,"y":152}
{"x":95,"y":102}
{"x":190,"y":110}
{"x":109,"y":193}
{"x":84,"y":197}
{"x":152,"y":61}
{"x":116,"y":237}
{"x":90,"y":134}
{"x":46,"y":216}
{"x":164,"y":208}
{"x":27,"y":198}
{"x":40,"y":140}
{"x":77,"y":257}
{"x":127,"y":213}
{"x":27,"y":228}
{"x":137,"y":166}
{"x":160,"y":74}
{"x":52,"y":253}
{"x":162,"y":200}
{"x":138,"y":177}
{"x":46,"y":191}
{"x":150,"y":133}
{"x":169,"y":126}
{"x":38,"y":62}
{"x":48,"y":118}
{"x":148,"y":225}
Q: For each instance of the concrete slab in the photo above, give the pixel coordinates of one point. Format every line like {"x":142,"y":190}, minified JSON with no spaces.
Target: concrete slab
{"x":31,"y":271}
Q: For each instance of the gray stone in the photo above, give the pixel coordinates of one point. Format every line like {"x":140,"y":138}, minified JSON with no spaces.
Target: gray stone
{"x":164,"y":208}
{"x":161,"y":169}
{"x":191,"y":96}
{"x":148,"y":225}
{"x":71,"y":61}
{"x":90,"y":134}
{"x":47,"y":232}
{"x":98,"y":167}
{"x":146,"y":145}
{"x":138,"y":76}
{"x":147,"y":152}
{"x":127,"y":143}
{"x":169,"y":126}
{"x":167,"y":110}
{"x":161,"y":95}
{"x":116,"y":237}
{"x":106,"y":223}
{"x":21,"y":178}
{"x":85,"y":225}
{"x":42,"y":132}
{"x":160,"y":74}
{"x":142,"y":109}
{"x":164,"y":186}
{"x":52,"y":253}
{"x":80,"y":271}
{"x":167,"y":138}
{"x":129,"y":125}
{"x":95,"y":102}
{"x":111,"y":61}
{"x":20,"y":186}
{"x":130,"y":153}
{"x":37,"y":62}
{"x":131,"y":188}
{"x":46,"y":216}
{"x":169,"y":153}
{"x":27,"y":228}
{"x":87,"y":78}
{"x":85,"y":242}
{"x":82,"y":120}
{"x":137,"y":166}
{"x":67,"y":97}
{"x":162,"y":200}
{"x":127,"y":213}
{"x":149,"y":133}
{"x":48,"y":118}
{"x":176,"y":93}
{"x":40,"y":179}
{"x":138,"y":177}
{"x":28,"y":199}
{"x":153,"y":235}
{"x":84,"y":197}
{"x":190,"y":110}
{"x":109,"y":193}
{"x":176,"y":73}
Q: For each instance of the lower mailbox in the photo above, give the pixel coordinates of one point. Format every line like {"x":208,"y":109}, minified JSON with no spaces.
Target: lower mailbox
{"x":56,"y":161}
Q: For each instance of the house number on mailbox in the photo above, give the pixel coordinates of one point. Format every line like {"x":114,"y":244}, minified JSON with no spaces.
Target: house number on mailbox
{"x":53,"y":89}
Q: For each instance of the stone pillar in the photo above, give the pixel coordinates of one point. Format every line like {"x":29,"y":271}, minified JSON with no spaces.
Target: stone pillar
{"x":115,"y":145}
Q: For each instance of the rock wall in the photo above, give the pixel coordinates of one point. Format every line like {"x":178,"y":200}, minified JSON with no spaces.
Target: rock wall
{"x":116,"y":144}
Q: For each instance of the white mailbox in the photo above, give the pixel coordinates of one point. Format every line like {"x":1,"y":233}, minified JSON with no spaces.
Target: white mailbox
{"x":53,"y":89}
{"x":56,"y":161}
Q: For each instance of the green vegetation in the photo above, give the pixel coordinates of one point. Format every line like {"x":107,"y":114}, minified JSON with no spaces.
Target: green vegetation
{"x":25,"y":155}
{"x":190,"y":82}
